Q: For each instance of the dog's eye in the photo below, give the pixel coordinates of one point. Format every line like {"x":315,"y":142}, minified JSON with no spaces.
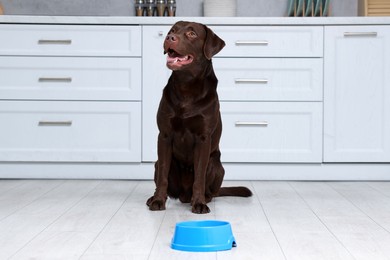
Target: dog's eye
{"x":191,"y":34}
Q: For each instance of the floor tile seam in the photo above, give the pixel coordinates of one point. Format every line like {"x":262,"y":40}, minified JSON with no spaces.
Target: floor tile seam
{"x":267,"y":218}
{"x":34,"y":200}
{"x":321,"y":221}
{"x":158,"y":231}
{"x":378,"y":190}
{"x":360,"y":209}
{"x":16,"y":186}
{"x":113,"y":215}
{"x":63,"y":213}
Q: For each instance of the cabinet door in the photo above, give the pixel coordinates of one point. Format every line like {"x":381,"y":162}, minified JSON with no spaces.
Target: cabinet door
{"x":357,"y":94}
{"x":271,"y":132}
{"x":155,"y":77}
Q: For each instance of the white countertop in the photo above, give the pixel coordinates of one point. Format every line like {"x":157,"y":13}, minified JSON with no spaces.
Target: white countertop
{"x":133,"y":20}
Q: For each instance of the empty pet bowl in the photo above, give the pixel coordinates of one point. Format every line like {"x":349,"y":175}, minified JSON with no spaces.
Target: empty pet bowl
{"x":203,"y":236}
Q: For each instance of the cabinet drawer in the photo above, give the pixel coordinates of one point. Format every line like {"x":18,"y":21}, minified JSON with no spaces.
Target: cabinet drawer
{"x":70,"y":131}
{"x":70,"y":40}
{"x":268,"y":79}
{"x":271,"y":41}
{"x":70,"y":78}
{"x":271,"y":132}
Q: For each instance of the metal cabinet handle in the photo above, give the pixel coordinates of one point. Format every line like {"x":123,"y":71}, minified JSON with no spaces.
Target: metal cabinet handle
{"x":260,"y":81}
{"x":261,"y":43}
{"x":248,"y":123}
{"x":54,"y":42}
{"x":360,"y":34}
{"x":55,"y":123}
{"x":61,"y":80}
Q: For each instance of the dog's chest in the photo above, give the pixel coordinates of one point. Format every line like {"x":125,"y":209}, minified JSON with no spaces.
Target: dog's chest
{"x":192,"y":122}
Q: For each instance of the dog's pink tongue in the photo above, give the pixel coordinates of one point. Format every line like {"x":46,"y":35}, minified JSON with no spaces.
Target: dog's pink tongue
{"x":175,"y":59}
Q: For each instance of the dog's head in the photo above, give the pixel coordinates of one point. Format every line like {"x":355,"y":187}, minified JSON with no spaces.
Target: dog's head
{"x":189,"y":43}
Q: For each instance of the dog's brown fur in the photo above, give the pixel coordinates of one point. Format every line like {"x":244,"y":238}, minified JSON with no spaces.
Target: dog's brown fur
{"x":189,"y":121}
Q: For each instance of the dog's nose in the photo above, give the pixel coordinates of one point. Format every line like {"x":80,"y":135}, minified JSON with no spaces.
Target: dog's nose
{"x":171,"y":38}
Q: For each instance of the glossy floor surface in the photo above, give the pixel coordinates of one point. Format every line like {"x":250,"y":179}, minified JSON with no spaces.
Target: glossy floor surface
{"x":102,"y":219}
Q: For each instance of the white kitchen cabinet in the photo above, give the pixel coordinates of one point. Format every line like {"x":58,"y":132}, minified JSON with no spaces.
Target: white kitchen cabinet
{"x":357,"y":94}
{"x":70,"y":78}
{"x":301,"y":99}
{"x":276,"y":79}
{"x":70,"y":40}
{"x":70,"y":131}
{"x":270,"y":41}
{"x":271,"y":132}
{"x":70,"y":93}
{"x":295,"y":134}
{"x":155,"y":76}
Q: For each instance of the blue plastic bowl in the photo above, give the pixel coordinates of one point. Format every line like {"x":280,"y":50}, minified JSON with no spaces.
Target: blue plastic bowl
{"x":203,"y":236}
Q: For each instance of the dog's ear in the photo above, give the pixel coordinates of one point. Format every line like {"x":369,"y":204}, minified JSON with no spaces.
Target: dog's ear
{"x":213,"y":44}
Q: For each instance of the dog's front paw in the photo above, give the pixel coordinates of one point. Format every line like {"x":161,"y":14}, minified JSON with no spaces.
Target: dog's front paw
{"x":200,"y":208}
{"x":155,"y":204}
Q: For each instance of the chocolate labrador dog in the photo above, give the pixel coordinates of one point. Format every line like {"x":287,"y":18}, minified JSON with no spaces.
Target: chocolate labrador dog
{"x":189,"y":123}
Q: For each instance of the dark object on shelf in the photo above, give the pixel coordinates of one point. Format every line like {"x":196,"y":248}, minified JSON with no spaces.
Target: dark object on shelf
{"x":139,"y":7}
{"x":150,"y":7}
{"x":171,"y":6}
{"x":155,"y":7}
{"x":161,"y":5}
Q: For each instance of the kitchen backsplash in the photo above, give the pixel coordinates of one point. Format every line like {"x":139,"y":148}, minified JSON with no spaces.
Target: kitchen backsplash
{"x":251,"y":8}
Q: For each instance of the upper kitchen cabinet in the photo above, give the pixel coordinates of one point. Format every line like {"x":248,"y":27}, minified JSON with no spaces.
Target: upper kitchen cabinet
{"x":357,"y":94}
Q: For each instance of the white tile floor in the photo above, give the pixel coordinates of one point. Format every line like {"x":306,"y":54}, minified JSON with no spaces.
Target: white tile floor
{"x":96,"y":219}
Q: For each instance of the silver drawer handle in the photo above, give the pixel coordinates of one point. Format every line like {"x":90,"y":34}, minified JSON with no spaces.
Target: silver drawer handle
{"x":62,"y":80}
{"x":261,"y":43}
{"x":247,"y":123}
{"x":360,"y":34}
{"x":55,"y":123}
{"x":260,"y":81}
{"x":55,"y":42}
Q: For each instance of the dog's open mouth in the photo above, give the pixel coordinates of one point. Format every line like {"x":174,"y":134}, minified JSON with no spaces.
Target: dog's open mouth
{"x":176,"y":60}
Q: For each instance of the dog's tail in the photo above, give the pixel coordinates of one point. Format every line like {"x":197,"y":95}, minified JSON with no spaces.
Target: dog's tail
{"x":234,"y":191}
